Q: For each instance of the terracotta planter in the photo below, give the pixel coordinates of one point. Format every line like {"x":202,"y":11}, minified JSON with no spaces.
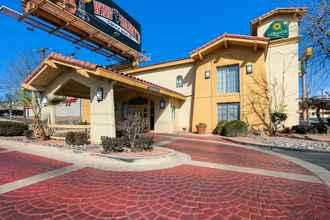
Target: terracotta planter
{"x":201,"y":128}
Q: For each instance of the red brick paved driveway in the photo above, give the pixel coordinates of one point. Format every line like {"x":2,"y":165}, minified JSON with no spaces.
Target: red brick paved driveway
{"x":225,"y":154}
{"x":15,"y":166}
{"x":184,"y":192}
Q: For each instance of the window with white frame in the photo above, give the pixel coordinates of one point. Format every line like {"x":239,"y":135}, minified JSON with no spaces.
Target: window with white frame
{"x":179,"y":81}
{"x":228,"y":111}
{"x":228,"y":79}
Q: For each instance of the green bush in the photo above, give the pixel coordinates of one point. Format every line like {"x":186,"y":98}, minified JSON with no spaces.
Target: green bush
{"x":218,"y":130}
{"x":9,"y":128}
{"x":278,"y":118}
{"x":113,"y":144}
{"x":144,"y":143}
{"x":76,"y":138}
{"x":322,"y":128}
{"x":300,"y":129}
{"x":235,"y":129}
{"x":28,"y":134}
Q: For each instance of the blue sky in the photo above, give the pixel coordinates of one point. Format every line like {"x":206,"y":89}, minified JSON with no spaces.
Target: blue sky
{"x":171,"y":29}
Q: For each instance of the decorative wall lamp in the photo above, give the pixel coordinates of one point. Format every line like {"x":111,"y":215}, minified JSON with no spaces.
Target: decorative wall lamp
{"x":207,"y":74}
{"x":162,"y":103}
{"x":44,"y":101}
{"x":249,"y":68}
{"x":99,"y":94}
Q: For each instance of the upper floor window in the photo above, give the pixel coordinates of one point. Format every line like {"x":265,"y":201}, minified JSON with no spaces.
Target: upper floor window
{"x":228,"y":79}
{"x":179,"y":81}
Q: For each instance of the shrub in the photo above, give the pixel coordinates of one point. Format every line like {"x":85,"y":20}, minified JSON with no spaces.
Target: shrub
{"x":299,"y":129}
{"x":235,"y":129}
{"x":277,"y":119}
{"x":322,"y":128}
{"x":113,"y":144}
{"x":28,"y":134}
{"x":144,"y":143}
{"x":313,"y":130}
{"x":287,"y":131}
{"x":76,"y":138}
{"x":218,"y":130}
{"x":9,"y":128}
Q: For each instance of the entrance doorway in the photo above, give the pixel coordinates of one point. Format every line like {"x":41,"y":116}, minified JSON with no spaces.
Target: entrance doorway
{"x":152,"y":115}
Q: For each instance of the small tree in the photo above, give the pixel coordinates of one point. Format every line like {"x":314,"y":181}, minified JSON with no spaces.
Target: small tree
{"x":8,"y":102}
{"x":278,"y":118}
{"x":133,"y":127}
{"x":319,"y":103}
{"x":34,"y":101}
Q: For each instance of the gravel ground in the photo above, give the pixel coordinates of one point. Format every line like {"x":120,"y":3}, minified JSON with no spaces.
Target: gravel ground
{"x":293,"y":143}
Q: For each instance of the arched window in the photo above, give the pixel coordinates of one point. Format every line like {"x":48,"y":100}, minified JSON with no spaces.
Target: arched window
{"x":179,"y":81}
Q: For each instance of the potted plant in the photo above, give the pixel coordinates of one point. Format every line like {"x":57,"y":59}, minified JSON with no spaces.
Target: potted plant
{"x":201,"y":128}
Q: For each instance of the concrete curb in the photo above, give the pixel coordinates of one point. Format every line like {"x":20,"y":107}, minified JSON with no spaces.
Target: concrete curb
{"x":85,"y":159}
{"x":275,"y":147}
{"x":320,"y":172}
{"x":170,"y":153}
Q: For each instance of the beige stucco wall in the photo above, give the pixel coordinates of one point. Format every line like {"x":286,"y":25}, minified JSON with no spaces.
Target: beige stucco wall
{"x":283,"y":79}
{"x":102,"y":113}
{"x":283,"y":68}
{"x":166,"y":77}
{"x":253,"y":103}
{"x":163,"y":122}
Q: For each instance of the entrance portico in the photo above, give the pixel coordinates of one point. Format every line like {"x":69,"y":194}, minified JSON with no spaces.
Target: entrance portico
{"x":121,"y":94}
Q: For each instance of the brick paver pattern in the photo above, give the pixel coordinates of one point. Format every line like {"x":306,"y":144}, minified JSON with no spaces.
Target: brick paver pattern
{"x":225,"y":154}
{"x":184,"y":192}
{"x":15,"y":166}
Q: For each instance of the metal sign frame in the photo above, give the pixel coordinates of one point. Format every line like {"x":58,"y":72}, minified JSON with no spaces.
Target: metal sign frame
{"x":87,"y":42}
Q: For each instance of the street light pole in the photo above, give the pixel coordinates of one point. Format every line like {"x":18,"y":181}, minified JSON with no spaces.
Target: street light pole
{"x":304,"y":61}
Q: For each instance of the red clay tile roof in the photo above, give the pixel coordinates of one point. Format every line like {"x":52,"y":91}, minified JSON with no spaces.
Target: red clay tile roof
{"x":73,"y":61}
{"x":300,"y":10}
{"x":236,"y":36}
{"x":94,"y":67}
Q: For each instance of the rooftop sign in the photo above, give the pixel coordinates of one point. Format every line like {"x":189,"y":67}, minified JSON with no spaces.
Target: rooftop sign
{"x":101,"y":22}
{"x":108,"y":17}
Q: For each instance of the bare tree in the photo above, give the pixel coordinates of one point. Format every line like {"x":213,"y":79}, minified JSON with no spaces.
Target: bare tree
{"x":133,"y":127}
{"x":315,"y":31}
{"x":17,"y":71}
{"x":12,"y":78}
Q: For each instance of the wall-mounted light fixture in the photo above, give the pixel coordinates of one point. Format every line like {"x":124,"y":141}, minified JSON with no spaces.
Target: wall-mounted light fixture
{"x":162,"y":103}
{"x":207,"y":74}
{"x":44,"y":101}
{"x":249,"y":68}
{"x":99,"y":94}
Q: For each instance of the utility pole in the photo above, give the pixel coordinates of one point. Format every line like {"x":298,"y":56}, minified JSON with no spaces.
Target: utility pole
{"x":42,"y":53}
{"x":303,"y":62}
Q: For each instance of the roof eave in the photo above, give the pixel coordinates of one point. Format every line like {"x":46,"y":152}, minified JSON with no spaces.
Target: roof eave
{"x":198,"y":54}
{"x":159,"y":66}
{"x":253,"y":24}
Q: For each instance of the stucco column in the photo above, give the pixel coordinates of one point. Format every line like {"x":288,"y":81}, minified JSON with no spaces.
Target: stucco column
{"x":102,"y":112}
{"x":163,"y":122}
